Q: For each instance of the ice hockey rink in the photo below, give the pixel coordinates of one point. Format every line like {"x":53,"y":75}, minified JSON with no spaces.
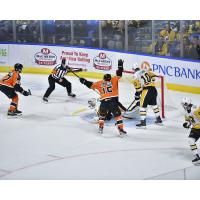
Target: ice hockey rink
{"x":59,"y":141}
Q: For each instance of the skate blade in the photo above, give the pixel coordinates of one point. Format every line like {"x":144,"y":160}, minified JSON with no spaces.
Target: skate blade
{"x":127,"y":117}
{"x":197,"y":163}
{"x":122,"y":135}
{"x":14,"y":117}
{"x":159,"y":124}
{"x":141,"y":127}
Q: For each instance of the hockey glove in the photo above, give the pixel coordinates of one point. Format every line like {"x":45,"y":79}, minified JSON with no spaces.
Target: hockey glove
{"x":69,"y":69}
{"x":86,"y":82}
{"x":26,"y":93}
{"x":186,"y":124}
{"x":82,"y":80}
{"x":120,"y":63}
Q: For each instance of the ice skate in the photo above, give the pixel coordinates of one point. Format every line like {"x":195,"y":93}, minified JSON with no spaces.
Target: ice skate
{"x":122,"y":132}
{"x":100,"y":130}
{"x":12,"y":114}
{"x":18,"y":112}
{"x":158,"y":120}
{"x":71,"y":95}
{"x":45,"y":99}
{"x":196,"y":161}
{"x":142,"y":124}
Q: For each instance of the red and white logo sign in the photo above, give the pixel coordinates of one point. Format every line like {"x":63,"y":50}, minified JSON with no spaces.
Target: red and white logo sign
{"x":102,"y":62}
{"x":45,"y":57}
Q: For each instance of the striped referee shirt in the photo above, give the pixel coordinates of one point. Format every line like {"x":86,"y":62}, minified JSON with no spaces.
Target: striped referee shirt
{"x":59,"y":72}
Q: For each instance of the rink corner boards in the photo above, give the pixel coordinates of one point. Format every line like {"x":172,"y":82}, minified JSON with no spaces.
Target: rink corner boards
{"x":95,"y":75}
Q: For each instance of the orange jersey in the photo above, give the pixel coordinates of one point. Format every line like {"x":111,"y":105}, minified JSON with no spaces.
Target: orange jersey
{"x":11,"y":79}
{"x":107,"y":89}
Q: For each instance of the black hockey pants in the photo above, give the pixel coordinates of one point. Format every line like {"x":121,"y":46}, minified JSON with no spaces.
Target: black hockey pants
{"x":65,"y":83}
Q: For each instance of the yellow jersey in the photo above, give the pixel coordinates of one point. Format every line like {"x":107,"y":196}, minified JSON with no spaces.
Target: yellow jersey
{"x":193,"y":117}
{"x":143,"y":79}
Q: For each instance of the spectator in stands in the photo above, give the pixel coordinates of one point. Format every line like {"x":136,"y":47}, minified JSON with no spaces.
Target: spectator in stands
{"x":198,"y":49}
{"x":168,"y":33}
{"x":161,"y":47}
{"x":6,"y":30}
{"x":174,"y":48}
{"x":62,"y":31}
{"x":193,"y":51}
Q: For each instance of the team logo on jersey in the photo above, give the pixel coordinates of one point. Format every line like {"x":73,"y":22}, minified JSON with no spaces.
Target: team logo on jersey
{"x":102,"y":62}
{"x":45,"y":57}
{"x":145,"y":65}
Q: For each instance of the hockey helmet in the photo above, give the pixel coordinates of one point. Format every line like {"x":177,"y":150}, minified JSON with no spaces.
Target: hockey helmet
{"x":107,"y":77}
{"x":18,"y":67}
{"x":186,"y":102}
{"x":136,"y":67}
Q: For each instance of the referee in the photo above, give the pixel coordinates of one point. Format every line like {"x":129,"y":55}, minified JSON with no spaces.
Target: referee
{"x":57,"y":76}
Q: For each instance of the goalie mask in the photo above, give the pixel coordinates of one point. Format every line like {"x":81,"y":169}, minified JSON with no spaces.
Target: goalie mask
{"x":186,"y":103}
{"x":92,"y":103}
{"x":136,"y":67}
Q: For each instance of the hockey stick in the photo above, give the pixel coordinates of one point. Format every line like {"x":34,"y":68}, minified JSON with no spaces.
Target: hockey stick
{"x":131,"y":104}
{"x":77,"y":112}
{"x":75,"y":74}
{"x":121,"y":106}
{"x":80,"y":77}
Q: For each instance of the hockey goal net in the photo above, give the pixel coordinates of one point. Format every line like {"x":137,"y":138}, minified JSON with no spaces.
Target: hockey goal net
{"x":160,"y":86}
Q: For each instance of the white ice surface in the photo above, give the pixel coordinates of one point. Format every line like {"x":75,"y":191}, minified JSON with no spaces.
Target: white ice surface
{"x":47,"y":142}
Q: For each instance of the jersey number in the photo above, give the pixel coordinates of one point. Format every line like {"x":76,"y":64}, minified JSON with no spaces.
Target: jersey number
{"x":107,"y":89}
{"x":146,"y":78}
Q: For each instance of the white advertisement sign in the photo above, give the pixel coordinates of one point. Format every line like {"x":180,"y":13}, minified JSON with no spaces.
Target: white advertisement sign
{"x":95,"y":60}
{"x":50,"y":56}
{"x":175,"y":71}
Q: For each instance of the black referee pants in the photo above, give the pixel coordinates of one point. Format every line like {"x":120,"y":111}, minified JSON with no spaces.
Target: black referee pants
{"x":52,"y":81}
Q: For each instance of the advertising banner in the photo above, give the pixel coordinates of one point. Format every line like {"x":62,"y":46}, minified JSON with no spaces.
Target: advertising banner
{"x":175,"y":71}
{"x":3,"y":55}
{"x":95,"y":60}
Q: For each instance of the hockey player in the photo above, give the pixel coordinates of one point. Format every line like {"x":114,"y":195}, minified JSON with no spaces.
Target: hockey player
{"x":146,"y":92}
{"x":108,"y":89}
{"x":9,"y":85}
{"x":57,"y":76}
{"x":192,"y":120}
